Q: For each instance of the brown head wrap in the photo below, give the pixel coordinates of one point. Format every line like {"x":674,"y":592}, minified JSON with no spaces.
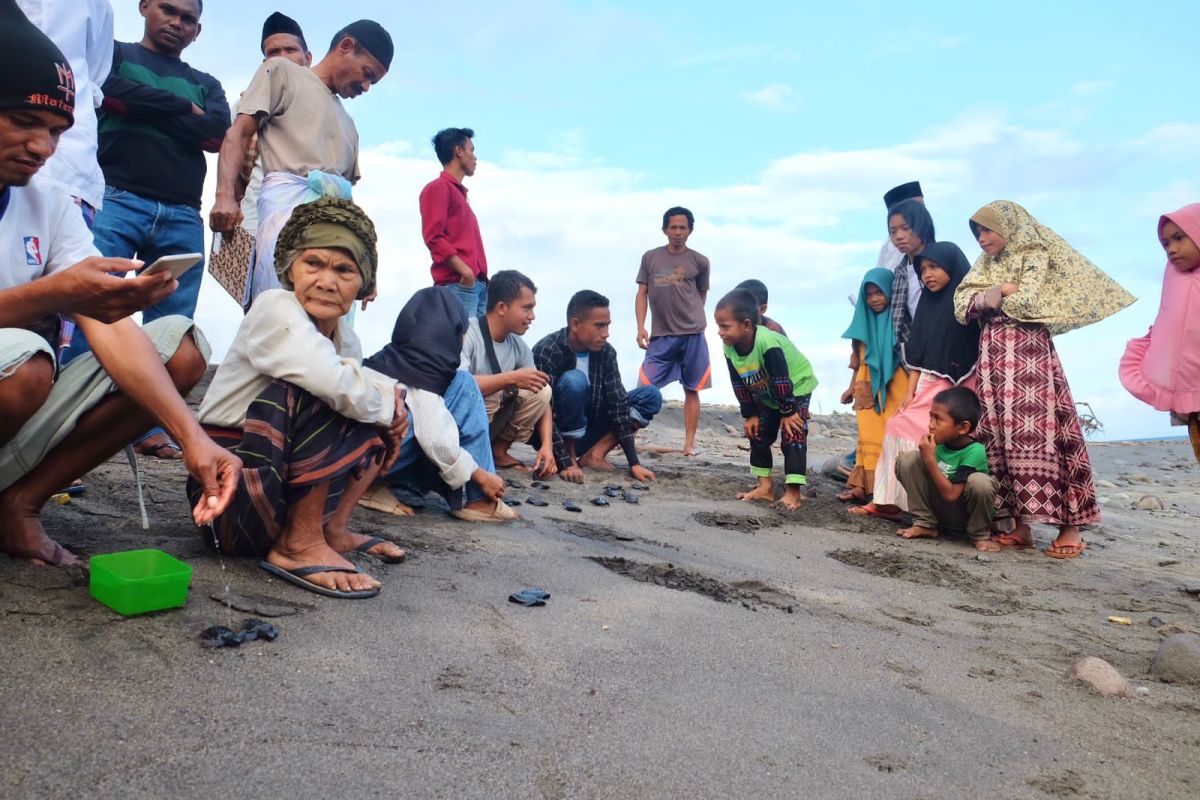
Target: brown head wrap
{"x":329,"y":222}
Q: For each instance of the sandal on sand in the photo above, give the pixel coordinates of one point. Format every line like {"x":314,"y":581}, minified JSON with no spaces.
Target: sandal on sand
{"x":381,"y":498}
{"x":852,"y":496}
{"x":501,"y":513}
{"x":374,"y":540}
{"x":1011,"y":540}
{"x":296,"y":578}
{"x":869,"y":510}
{"x":1056,"y":550}
{"x":166,"y":450}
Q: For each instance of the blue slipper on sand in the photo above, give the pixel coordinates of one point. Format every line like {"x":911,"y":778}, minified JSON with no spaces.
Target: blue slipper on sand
{"x":296,"y":578}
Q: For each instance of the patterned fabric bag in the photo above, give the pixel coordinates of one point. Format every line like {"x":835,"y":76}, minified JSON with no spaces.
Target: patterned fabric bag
{"x":230,"y":262}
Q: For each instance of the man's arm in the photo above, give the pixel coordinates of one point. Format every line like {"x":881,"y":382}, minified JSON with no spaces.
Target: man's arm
{"x":203,"y":127}
{"x":131,"y":360}
{"x":86,"y":289}
{"x":435,"y":230}
{"x":226,"y":214}
{"x":950,"y":492}
{"x":640,"y":305}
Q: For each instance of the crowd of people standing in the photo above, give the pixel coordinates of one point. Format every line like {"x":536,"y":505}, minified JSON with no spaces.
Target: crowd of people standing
{"x":966,"y":420}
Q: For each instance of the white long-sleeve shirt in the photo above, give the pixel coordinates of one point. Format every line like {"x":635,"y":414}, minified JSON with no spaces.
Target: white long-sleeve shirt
{"x":436,"y":432}
{"x":278,"y":340}
{"x":83,"y":31}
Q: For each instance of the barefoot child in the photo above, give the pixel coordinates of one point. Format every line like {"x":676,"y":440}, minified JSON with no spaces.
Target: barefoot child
{"x":773,"y":382}
{"x":1162,"y":368}
{"x":947,"y":477}
{"x":1027,"y":286}
{"x":879,"y":383}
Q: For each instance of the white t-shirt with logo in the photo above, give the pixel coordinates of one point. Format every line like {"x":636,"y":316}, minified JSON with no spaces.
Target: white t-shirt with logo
{"x":41,"y":232}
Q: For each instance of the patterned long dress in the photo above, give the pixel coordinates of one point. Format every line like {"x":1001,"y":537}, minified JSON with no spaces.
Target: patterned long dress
{"x":1029,"y":425}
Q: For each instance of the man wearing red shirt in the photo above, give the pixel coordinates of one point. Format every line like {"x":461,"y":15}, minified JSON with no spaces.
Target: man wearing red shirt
{"x":449,"y":226}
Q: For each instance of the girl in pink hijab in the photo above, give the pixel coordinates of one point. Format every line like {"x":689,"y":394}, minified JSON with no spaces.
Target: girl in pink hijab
{"x":1162,"y":368}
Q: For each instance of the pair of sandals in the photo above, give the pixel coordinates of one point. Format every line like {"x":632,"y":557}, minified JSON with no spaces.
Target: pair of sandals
{"x":297,"y":576}
{"x":1055,"y":550}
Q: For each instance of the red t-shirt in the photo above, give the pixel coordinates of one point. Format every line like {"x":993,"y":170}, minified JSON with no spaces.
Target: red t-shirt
{"x":449,"y":228}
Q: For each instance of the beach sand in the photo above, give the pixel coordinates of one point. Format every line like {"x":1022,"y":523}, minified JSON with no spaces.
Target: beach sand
{"x":693,"y":646}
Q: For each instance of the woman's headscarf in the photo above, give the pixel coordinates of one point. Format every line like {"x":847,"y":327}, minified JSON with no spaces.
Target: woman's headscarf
{"x":329,"y":222}
{"x":938,"y":343}
{"x":426,"y":343}
{"x":1059,"y":287}
{"x":1162,"y":368}
{"x":875,"y":330}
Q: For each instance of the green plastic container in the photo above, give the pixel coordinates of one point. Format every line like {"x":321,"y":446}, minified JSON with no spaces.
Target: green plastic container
{"x":140,"y":581}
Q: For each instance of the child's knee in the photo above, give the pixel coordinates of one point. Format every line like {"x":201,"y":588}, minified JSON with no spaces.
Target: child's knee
{"x":906,"y":463}
{"x":980,"y":488}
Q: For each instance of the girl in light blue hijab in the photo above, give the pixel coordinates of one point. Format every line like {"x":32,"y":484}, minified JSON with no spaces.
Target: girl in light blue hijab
{"x":879,"y":383}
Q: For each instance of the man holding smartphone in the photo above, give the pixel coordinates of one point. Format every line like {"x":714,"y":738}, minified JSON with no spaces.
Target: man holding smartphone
{"x":448,"y":224}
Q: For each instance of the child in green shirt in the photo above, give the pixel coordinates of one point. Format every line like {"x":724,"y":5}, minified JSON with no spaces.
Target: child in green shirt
{"x":773,"y":382}
{"x":947,"y":478}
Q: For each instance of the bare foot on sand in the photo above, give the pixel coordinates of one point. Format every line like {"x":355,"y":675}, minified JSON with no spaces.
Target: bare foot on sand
{"x":22,"y":536}
{"x":691,"y":451}
{"x":919,"y":532}
{"x":596,"y":462}
{"x":761,"y":491}
{"x":343,"y":541}
{"x":855,"y":494}
{"x":988,"y":546}
{"x":324,"y":555}
{"x":790,"y":500}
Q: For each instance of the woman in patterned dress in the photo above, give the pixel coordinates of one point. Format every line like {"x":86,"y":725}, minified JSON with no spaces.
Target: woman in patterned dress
{"x":1027,"y":286}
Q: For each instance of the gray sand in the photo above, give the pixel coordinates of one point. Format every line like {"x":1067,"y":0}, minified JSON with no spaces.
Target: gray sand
{"x":694,"y":646}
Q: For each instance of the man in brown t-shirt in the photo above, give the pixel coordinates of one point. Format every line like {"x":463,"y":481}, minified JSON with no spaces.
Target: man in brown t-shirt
{"x":673,"y":285}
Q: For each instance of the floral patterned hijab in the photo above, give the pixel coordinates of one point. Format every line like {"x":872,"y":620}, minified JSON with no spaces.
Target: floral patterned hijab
{"x":1060,"y":288}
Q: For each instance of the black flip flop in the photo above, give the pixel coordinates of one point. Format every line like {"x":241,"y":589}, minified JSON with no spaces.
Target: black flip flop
{"x":374,"y":540}
{"x":296,"y":578}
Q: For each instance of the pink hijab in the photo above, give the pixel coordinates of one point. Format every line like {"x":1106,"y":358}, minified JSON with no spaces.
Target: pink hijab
{"x":1162,"y":368}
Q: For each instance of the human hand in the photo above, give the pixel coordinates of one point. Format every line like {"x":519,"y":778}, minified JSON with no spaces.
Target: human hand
{"x":395,"y":432}
{"x":751,"y":427}
{"x":793,"y":426}
{"x":197,"y":110}
{"x":847,"y":396}
{"x":544,"y":465}
{"x":643,"y":338}
{"x":90,"y":291}
{"x":572,"y":474}
{"x":928,"y":447}
{"x":530,"y":379}
{"x":641,"y":473}
{"x":226,"y":215}
{"x":218,"y":471}
{"x":1007,"y":289}
{"x":467,"y":281}
{"x":491,"y":484}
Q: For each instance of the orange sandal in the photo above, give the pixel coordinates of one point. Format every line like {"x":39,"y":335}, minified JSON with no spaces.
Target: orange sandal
{"x":1056,"y":550}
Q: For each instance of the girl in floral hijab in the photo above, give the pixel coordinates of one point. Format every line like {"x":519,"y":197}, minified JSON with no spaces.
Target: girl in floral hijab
{"x":1026,"y":286}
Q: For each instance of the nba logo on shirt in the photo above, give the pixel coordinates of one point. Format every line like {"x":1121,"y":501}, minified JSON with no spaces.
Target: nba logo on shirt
{"x":33,"y":251}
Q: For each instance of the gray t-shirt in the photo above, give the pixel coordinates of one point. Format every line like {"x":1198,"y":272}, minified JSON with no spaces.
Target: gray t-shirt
{"x":512,"y":353}
{"x":675,"y":282}
{"x":302,"y":125}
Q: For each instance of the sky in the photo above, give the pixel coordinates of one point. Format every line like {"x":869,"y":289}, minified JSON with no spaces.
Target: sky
{"x":780,"y":124}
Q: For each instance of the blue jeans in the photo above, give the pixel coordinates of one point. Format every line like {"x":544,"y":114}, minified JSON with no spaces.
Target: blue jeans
{"x":129,"y":226}
{"x":586,"y":425}
{"x":464,"y":401}
{"x":474,"y":300}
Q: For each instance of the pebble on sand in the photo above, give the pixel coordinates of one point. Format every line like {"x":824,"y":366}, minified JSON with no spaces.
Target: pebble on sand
{"x":1151,"y":502}
{"x":1178,"y":659}
{"x":1101,"y":676}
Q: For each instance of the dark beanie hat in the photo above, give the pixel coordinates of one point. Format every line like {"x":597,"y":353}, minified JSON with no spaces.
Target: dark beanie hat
{"x":281,"y":23}
{"x":34,"y":74}
{"x":902,"y":192}
{"x":372,"y":37}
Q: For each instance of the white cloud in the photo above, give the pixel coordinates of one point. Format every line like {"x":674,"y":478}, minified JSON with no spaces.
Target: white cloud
{"x":777,"y":96}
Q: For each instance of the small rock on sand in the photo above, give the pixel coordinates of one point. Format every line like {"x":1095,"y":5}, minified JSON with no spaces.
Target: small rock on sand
{"x":1101,"y":676}
{"x":1105,"y":484}
{"x":1178,"y":659}
{"x":1151,"y":503}
{"x":1119,"y":497}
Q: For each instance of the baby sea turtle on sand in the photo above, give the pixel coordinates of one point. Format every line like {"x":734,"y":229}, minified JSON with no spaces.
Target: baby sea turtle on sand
{"x":641,"y":487}
{"x":599,"y":501}
{"x":511,"y":503}
{"x":513,"y":483}
{"x":540,"y":485}
{"x":613,"y":491}
{"x":631,"y":497}
{"x":571,"y":505}
{"x":537,"y":502}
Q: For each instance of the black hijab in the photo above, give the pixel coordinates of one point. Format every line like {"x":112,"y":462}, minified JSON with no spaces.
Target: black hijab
{"x":938,"y":343}
{"x":426,"y":345}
